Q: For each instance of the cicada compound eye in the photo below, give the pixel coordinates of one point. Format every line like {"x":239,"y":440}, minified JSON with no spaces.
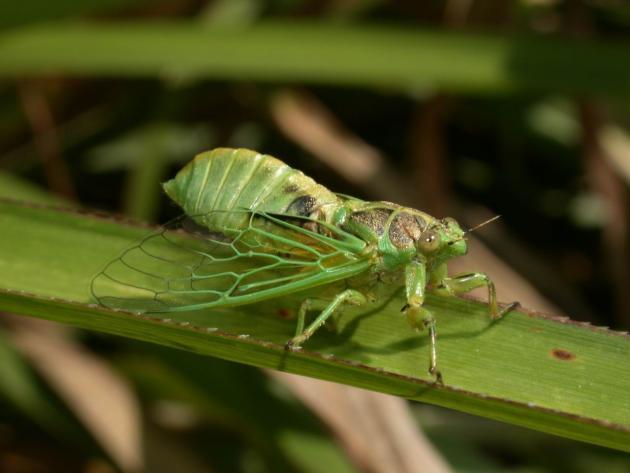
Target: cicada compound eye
{"x":429,"y":241}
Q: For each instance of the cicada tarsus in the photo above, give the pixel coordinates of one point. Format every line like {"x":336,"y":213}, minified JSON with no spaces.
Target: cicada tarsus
{"x":260,"y":229}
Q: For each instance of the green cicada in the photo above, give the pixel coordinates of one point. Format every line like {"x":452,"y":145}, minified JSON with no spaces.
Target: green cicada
{"x":258,"y":229}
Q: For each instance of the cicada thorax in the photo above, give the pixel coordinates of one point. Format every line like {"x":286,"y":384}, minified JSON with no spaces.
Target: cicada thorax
{"x":228,"y":189}
{"x":392,"y":229}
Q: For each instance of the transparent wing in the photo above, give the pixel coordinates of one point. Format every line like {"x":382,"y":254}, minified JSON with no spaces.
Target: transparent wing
{"x":235,"y":258}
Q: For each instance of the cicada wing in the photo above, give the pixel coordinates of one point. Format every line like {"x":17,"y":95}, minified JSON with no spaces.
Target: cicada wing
{"x":235,"y":258}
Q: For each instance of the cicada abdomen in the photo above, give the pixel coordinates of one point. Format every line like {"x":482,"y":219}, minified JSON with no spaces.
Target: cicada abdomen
{"x":256,"y":234}
{"x":220,"y":189}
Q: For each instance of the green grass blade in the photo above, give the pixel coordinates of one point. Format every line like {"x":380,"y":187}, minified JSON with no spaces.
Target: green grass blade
{"x":14,"y":13}
{"x":13,"y":187}
{"x":401,"y":59}
{"x":551,"y":375}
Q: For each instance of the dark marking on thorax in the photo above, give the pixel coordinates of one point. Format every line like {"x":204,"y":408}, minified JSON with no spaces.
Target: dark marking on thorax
{"x":374,"y":220}
{"x":404,"y":230}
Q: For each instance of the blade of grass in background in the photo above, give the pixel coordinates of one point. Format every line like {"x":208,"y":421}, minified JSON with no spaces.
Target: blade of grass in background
{"x":146,"y":153}
{"x":17,"y":13}
{"x":12,"y":187}
{"x":558,"y":377}
{"x":395,"y":58}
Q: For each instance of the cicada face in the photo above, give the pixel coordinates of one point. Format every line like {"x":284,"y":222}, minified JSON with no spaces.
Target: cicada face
{"x":442,"y":239}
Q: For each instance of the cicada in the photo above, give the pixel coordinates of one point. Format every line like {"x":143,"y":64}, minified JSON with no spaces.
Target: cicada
{"x":258,"y":229}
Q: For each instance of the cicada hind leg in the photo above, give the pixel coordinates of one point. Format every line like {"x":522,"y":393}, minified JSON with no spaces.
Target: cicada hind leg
{"x":349,"y":296}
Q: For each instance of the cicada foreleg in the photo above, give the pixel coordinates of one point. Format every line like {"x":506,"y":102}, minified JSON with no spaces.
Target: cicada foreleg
{"x":349,"y":296}
{"x":467,"y":282}
{"x":419,"y":318}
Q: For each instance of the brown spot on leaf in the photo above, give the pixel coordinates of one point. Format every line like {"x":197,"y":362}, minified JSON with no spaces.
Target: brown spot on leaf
{"x":563,"y":355}
{"x":285,"y":313}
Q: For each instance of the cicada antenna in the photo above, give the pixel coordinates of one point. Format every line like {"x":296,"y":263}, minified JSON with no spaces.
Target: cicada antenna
{"x":483,"y":224}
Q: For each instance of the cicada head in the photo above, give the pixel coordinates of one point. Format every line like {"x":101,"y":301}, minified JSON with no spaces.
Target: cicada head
{"x":443,"y":239}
